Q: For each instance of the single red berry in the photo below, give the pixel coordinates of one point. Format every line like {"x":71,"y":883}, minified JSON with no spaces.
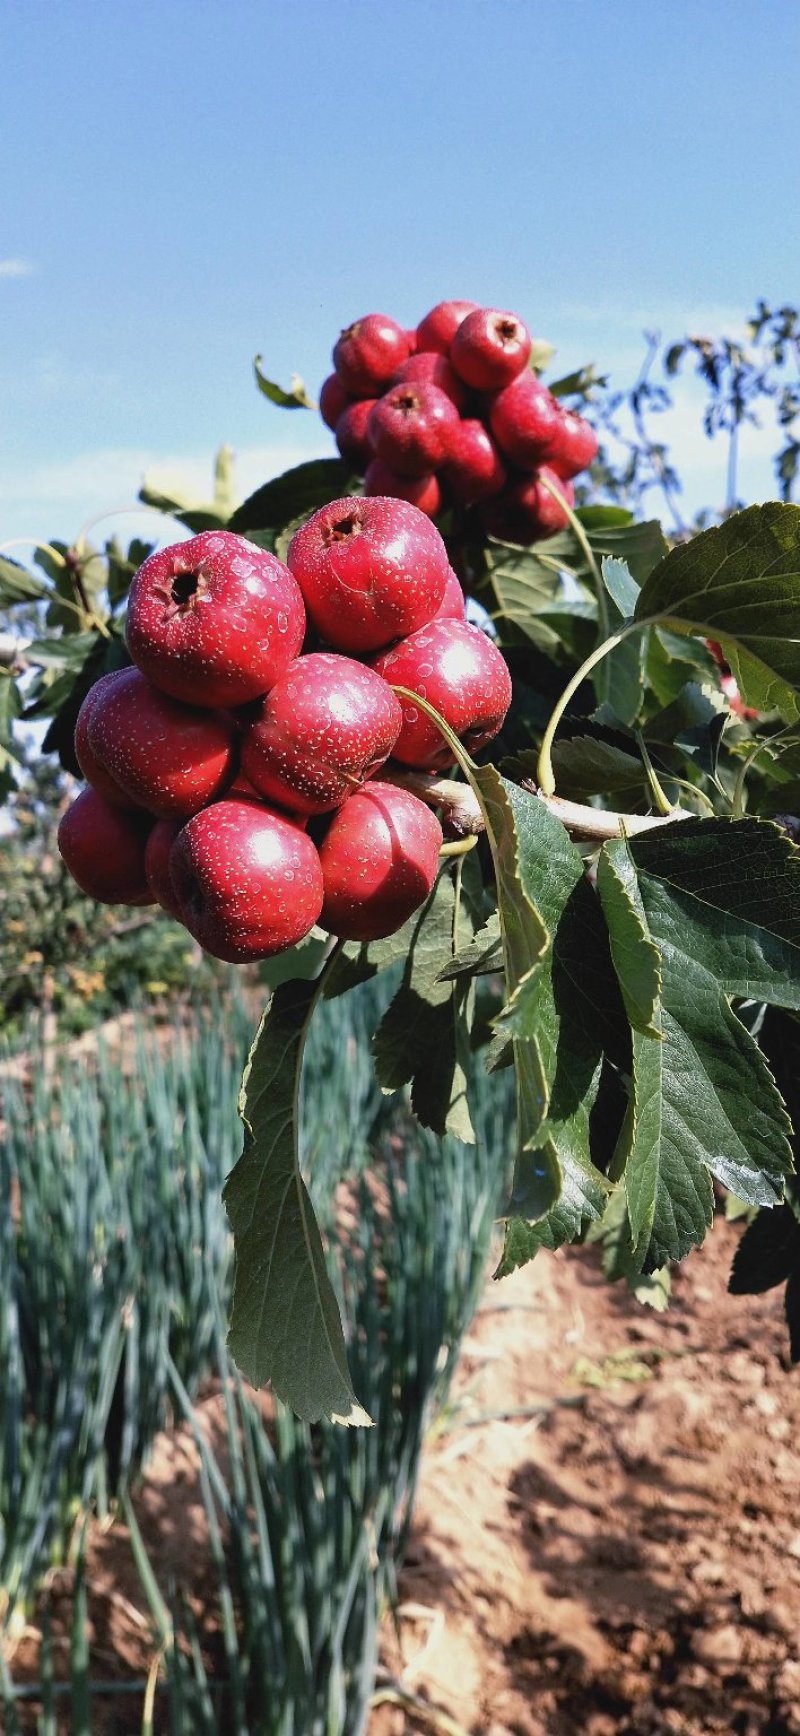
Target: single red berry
{"x":437,"y":330}
{"x":474,"y":468}
{"x":380,"y":857}
{"x":351,"y":433}
{"x":525,"y":420}
{"x":462,"y":675}
{"x":368,"y":354}
{"x":422,"y":491}
{"x":95,"y":773}
{"x":575,"y":445}
{"x":452,"y":606}
{"x":248,"y":881}
{"x":410,"y":427}
{"x":327,"y":726}
{"x":168,"y":757}
{"x":214,"y":620}
{"x":103,"y":847}
{"x":526,"y":511}
{"x":434,"y":370}
{"x":370,"y":571}
{"x":333,"y":399}
{"x":490,"y":348}
{"x":156,"y":865}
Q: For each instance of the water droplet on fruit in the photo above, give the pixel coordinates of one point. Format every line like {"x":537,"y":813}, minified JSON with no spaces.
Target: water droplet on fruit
{"x":283,"y":622}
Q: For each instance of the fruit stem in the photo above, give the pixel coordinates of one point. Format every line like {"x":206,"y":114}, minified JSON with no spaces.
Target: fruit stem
{"x":586,"y":825}
{"x":544,"y":770}
{"x":84,"y":608}
{"x":586,"y":547}
{"x":663,"y":805}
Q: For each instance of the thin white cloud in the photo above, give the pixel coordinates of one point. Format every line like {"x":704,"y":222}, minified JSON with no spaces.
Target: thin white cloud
{"x":17,"y":268}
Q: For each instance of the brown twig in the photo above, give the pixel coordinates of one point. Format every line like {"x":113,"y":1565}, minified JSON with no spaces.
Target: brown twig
{"x":463,"y":815}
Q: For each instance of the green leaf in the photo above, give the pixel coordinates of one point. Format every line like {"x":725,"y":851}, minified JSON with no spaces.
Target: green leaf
{"x":585,"y":767}
{"x":714,"y":914}
{"x":740,"y":584}
{"x":613,"y":1232}
{"x":294,"y":495}
{"x":640,"y":546}
{"x":422,"y":1038}
{"x":296,"y":398}
{"x":285,"y":1326}
{"x":482,"y":956}
{"x":541,"y":353}
{"x":620,"y":584}
{"x":17,"y":585}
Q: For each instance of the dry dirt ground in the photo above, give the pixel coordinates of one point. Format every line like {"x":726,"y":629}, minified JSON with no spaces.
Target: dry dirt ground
{"x":607,"y":1533}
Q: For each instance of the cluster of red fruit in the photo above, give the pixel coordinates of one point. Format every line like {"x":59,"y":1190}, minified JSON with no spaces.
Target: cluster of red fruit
{"x":232,"y":769}
{"x":452,"y":413}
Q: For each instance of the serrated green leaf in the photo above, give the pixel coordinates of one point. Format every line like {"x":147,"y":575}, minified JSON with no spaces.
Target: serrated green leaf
{"x":636,"y":958}
{"x":480,"y":957}
{"x":585,"y":767}
{"x":612,"y":1232}
{"x":620,"y":584}
{"x":721,"y":908}
{"x":294,"y":495}
{"x":421,"y":1039}
{"x":296,"y":398}
{"x":739,"y":583}
{"x":582,"y":1198}
{"x":285,"y":1326}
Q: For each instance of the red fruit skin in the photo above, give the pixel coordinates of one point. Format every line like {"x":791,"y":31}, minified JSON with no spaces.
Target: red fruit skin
{"x":437,"y":330}
{"x":490,"y":348}
{"x":103,"y":847}
{"x":95,"y":773}
{"x":474,"y":470}
{"x":422,"y":491}
{"x":453,"y":605}
{"x":248,"y":881}
{"x":351,"y":433}
{"x":410,"y":427}
{"x":368,"y":353}
{"x":156,"y":865}
{"x":526,"y":512}
{"x":575,"y":446}
{"x":215,"y":620}
{"x":525,"y":420}
{"x":169,"y":758}
{"x":434,"y":370}
{"x":462,"y":674}
{"x":380,"y":857}
{"x":327,"y":726}
{"x":333,"y":399}
{"x":370,"y":571}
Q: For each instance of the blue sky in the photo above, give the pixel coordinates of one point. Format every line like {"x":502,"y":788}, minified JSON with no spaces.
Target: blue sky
{"x":195,"y":180}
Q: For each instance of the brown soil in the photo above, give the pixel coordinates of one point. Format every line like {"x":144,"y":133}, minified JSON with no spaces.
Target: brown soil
{"x":616,"y":1554}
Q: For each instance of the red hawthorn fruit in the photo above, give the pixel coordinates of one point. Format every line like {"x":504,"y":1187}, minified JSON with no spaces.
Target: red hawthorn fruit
{"x":462,"y":675}
{"x":452,"y":606}
{"x":156,"y":865}
{"x":370,"y":571}
{"x":529,"y":507}
{"x":214,"y":621}
{"x":437,"y":330}
{"x":103,"y":847}
{"x":169,"y":758}
{"x":248,"y":881}
{"x":333,"y":399}
{"x":574,"y":447}
{"x":380,"y":857}
{"x":474,"y":470}
{"x":95,"y":773}
{"x":525,"y":420}
{"x":490,"y":348}
{"x":435,"y":370}
{"x":422,"y":491}
{"x":352,"y":433}
{"x":327,"y":726}
{"x":410,"y":427}
{"x":368,"y":354}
